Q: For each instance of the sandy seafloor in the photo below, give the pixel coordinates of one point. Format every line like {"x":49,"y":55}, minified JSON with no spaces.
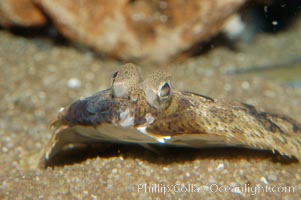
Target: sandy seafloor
{"x":34,"y":85}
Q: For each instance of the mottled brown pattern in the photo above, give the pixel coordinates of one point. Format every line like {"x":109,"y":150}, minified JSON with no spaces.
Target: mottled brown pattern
{"x":142,"y":30}
{"x":188,"y":119}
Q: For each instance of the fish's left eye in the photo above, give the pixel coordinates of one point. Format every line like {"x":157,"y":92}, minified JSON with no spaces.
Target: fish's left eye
{"x":114,"y":76}
{"x":165,"y":91}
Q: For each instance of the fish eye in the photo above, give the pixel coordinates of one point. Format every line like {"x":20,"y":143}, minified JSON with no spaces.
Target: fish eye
{"x":165,"y":91}
{"x":114,"y":76}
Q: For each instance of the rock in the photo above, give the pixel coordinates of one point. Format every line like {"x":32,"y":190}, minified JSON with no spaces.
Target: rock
{"x":157,"y":30}
{"x":20,"y":13}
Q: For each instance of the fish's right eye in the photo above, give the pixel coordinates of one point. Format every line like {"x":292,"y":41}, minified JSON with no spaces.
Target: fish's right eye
{"x":165,"y":91}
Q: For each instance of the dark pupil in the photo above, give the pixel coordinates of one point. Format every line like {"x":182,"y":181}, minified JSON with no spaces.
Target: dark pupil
{"x":114,"y":75}
{"x":165,"y":90}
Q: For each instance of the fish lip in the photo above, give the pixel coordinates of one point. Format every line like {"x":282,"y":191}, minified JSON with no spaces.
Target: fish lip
{"x":93,"y":110}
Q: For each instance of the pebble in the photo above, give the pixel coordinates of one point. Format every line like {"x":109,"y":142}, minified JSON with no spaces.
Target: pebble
{"x":264,"y":180}
{"x":220,"y":167}
{"x":166,"y":169}
{"x":210,"y":169}
{"x":74,"y":83}
{"x":211,"y":180}
{"x":272,"y":177}
{"x":245,"y":85}
{"x":114,"y":171}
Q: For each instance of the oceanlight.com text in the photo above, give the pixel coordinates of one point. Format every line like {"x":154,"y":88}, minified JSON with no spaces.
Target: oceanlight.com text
{"x":213,"y":188}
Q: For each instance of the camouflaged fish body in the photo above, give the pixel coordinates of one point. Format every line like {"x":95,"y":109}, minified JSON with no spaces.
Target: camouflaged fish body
{"x":222,"y":123}
{"x":151,"y":111}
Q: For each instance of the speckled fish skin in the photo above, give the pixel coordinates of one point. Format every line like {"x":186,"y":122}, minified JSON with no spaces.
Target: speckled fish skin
{"x":187,"y":119}
{"x":126,"y":80}
{"x":228,"y":123}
